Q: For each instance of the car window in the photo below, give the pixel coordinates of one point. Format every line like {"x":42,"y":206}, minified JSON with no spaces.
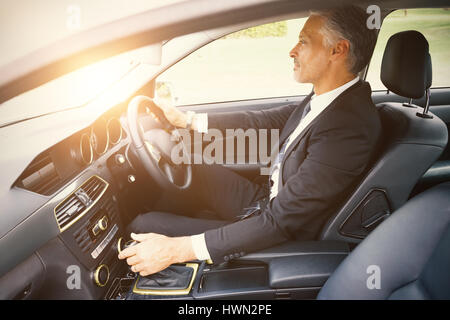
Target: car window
{"x":434,"y":24}
{"x":249,"y":64}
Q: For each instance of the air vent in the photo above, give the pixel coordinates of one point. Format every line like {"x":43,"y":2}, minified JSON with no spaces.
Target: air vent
{"x":68,"y":210}
{"x":40,"y":176}
{"x":94,"y":187}
{"x":83,"y":238}
{"x":111,"y":209}
{"x":79,"y":202}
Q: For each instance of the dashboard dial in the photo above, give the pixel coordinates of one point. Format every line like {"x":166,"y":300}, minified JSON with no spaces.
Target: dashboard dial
{"x":86,"y":152}
{"x":100,"y":136}
{"x":114,"y":130}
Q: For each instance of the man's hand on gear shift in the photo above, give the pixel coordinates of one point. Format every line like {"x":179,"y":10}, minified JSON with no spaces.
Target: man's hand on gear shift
{"x":155,"y":252}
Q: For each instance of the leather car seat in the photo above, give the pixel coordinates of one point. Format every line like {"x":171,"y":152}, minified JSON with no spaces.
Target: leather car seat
{"x":406,"y":257}
{"x":411,"y":143}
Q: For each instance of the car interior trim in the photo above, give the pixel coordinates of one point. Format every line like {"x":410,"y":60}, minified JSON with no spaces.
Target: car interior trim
{"x":80,"y":215}
{"x":166,"y":292}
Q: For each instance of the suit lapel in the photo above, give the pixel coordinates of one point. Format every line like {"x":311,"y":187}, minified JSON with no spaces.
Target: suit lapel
{"x":302,"y":134}
{"x":294,"y":119}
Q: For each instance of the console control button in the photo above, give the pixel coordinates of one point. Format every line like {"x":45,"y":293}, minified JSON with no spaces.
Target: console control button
{"x":101,"y":275}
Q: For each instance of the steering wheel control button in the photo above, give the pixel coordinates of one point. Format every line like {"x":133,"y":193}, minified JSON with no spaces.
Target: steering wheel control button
{"x":120,"y":159}
{"x":101,"y":275}
{"x":131,"y":178}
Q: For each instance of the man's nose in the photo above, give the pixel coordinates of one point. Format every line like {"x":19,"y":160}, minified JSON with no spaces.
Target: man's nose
{"x":293,"y":53}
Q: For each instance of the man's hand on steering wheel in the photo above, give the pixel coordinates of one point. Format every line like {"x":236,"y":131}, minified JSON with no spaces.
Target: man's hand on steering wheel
{"x":176,"y":117}
{"x":154,"y":146}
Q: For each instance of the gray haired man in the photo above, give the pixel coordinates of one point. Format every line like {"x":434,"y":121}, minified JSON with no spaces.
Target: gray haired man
{"x":326,"y":144}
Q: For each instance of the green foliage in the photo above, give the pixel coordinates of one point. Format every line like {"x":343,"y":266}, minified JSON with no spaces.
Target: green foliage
{"x":276,"y":29}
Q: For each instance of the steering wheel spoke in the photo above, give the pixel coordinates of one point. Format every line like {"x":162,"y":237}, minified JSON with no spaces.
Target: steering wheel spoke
{"x":169,"y":172}
{"x":153,"y":151}
{"x":155,"y":145}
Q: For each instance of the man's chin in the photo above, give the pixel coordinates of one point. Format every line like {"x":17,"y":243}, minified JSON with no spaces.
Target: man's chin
{"x":300,"y":79}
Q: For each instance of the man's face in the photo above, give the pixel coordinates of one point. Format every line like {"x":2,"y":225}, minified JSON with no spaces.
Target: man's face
{"x":310,"y":55}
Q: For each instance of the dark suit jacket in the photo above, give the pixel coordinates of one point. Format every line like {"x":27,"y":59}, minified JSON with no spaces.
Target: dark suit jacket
{"x":319,"y":170}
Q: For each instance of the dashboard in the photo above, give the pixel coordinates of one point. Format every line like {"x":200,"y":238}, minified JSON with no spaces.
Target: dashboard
{"x":51,"y":169}
{"x":82,"y":182}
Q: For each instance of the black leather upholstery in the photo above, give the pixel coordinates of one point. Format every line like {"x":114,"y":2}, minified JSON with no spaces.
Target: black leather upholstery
{"x":410,"y":145}
{"x":297,"y":248}
{"x":411,"y":249}
{"x":404,"y":64}
{"x":303,"y":271}
{"x":173,"y":277}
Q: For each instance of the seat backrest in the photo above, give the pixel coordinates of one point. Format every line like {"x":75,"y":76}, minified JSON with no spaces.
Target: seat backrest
{"x":410,"y":144}
{"x":406,"y":257}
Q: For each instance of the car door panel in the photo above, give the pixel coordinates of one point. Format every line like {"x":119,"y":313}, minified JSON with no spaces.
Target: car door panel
{"x":249,"y":170}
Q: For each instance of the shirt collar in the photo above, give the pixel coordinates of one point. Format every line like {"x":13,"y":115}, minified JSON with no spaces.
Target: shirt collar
{"x":322,"y":101}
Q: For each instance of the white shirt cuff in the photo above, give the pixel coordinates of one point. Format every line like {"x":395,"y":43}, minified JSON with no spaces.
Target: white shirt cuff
{"x":199,"y":246}
{"x":200,"y":121}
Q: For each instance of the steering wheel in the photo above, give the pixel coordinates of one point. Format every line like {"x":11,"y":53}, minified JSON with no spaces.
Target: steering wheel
{"x":154,"y":146}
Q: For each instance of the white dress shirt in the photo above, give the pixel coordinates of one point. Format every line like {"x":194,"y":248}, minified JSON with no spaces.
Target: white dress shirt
{"x":318,"y":104}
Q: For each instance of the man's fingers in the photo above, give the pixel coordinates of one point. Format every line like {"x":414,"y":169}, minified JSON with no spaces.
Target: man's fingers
{"x":138,"y":267}
{"x":138,"y":237}
{"x":133,"y":260}
{"x":128,"y":252}
{"x":144,"y":274}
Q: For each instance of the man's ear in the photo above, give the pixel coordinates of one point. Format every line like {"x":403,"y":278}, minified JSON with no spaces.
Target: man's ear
{"x":340,"y":50}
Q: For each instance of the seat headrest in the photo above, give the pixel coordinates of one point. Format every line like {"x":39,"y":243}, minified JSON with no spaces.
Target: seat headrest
{"x":404,"y":69}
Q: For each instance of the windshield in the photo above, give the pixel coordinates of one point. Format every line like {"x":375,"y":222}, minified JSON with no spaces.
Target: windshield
{"x":28,"y":25}
{"x":74,"y":89}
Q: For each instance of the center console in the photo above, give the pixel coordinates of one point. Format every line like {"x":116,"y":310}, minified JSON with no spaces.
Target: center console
{"x":293,"y":270}
{"x":82,"y":261}
{"x":92,"y":239}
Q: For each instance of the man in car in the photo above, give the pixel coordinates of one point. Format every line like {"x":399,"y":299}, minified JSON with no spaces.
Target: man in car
{"x":326,"y":144}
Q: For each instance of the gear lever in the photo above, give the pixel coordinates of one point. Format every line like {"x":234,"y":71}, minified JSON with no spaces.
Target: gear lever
{"x":122,"y":246}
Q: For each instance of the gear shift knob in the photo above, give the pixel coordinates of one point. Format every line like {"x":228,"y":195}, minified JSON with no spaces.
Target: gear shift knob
{"x":122,"y":245}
